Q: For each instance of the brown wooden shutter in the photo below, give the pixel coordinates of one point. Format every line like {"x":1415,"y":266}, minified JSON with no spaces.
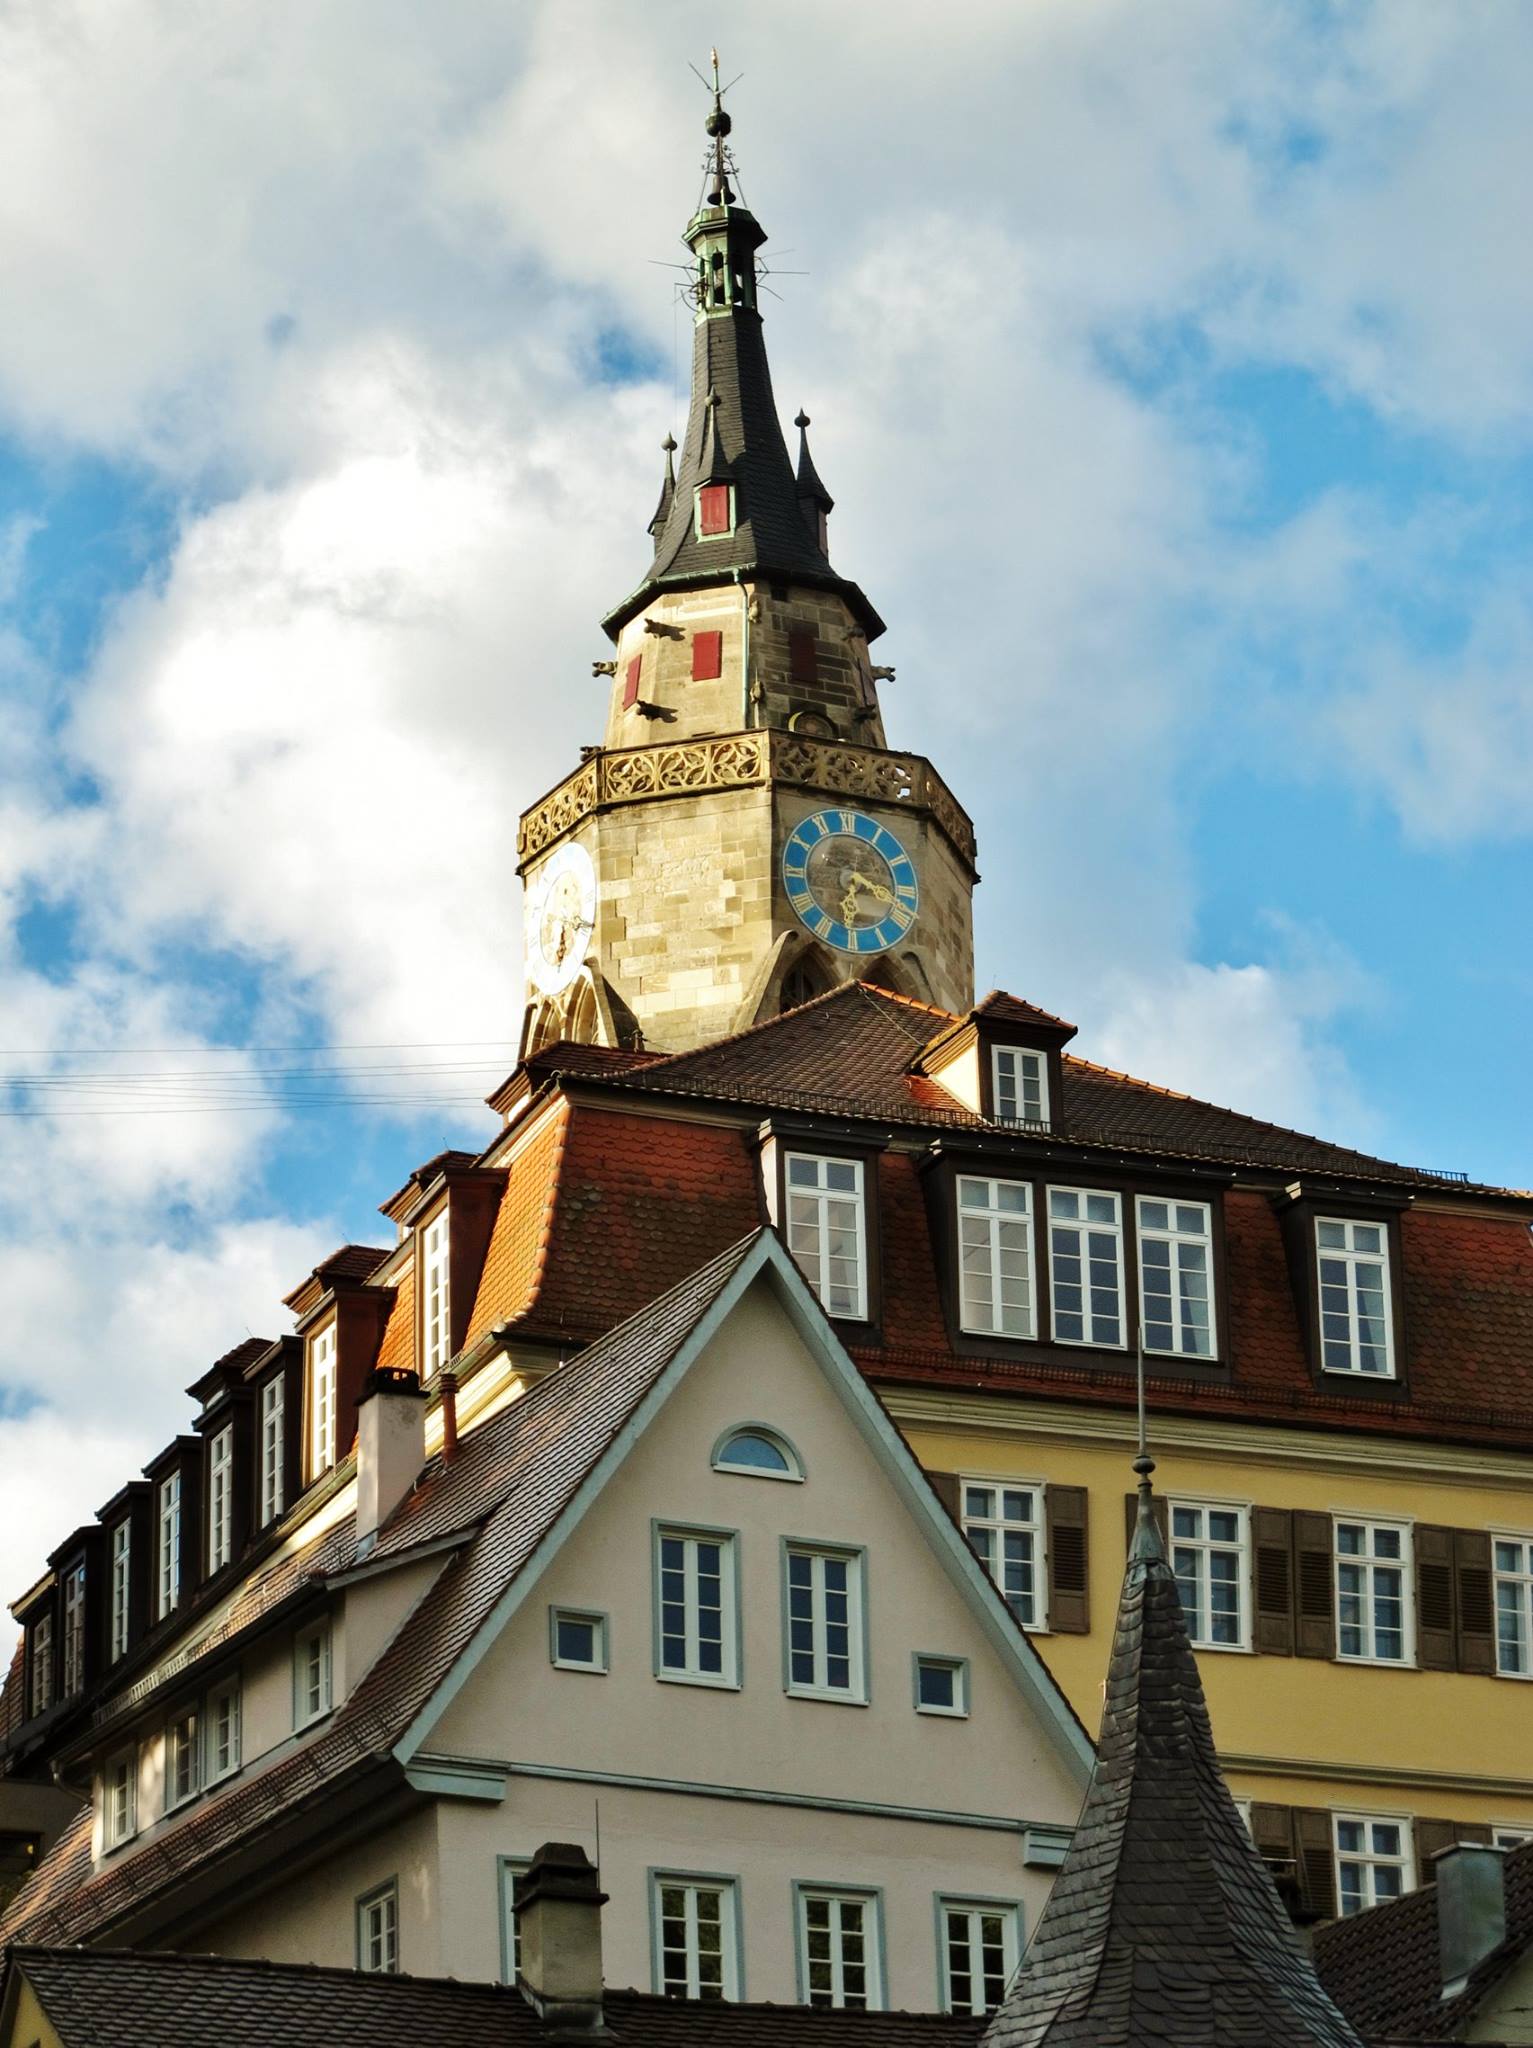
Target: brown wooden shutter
{"x":1131,"y":1516}
{"x":1431,"y":1837}
{"x":945,"y":1486}
{"x":1272,"y":1830}
{"x":1272,"y":1543}
{"x":707,"y":657}
{"x":1476,"y":1611}
{"x":1317,"y":1866}
{"x":1316,"y":1633}
{"x":803,"y":654}
{"x":631,"y":681}
{"x":1435,"y":1636}
{"x":1069,"y":1602}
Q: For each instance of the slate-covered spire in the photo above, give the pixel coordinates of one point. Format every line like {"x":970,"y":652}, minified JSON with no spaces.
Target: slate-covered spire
{"x":764,"y":527}
{"x":814,"y":501}
{"x":667,"y":489}
{"x":1163,"y":1929}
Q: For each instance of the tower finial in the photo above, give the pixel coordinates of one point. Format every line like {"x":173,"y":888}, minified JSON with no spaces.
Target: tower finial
{"x":718,"y":125}
{"x":1146,"y":1536}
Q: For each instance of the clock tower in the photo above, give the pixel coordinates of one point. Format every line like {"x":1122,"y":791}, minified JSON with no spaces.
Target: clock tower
{"x":744,"y":838}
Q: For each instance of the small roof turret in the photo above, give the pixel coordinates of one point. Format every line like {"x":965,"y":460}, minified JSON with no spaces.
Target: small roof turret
{"x":809,"y":486}
{"x":667,"y":489}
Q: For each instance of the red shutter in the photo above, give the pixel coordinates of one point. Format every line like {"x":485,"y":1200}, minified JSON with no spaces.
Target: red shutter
{"x":707,"y":657}
{"x":803,"y":654}
{"x":713,"y":509}
{"x":631,"y":682}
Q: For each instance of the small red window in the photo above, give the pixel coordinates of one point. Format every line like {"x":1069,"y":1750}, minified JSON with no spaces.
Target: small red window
{"x":707,"y":656}
{"x":713,"y":509}
{"x":803,"y":654}
{"x":631,"y":682}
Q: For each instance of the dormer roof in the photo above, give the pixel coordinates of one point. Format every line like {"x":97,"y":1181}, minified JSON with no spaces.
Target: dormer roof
{"x":351,"y":1265}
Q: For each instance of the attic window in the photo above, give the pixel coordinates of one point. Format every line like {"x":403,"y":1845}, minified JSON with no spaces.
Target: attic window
{"x":715,"y":509}
{"x":759,"y":1452}
{"x":1021,"y":1085}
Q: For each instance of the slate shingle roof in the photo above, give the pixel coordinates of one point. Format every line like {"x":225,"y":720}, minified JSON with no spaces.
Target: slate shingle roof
{"x":1163,"y":1929}
{"x":105,"y":1998}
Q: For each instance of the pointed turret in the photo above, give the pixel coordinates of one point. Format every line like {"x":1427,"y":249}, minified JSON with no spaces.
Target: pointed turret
{"x":1163,"y":1929}
{"x":667,"y":489}
{"x":814,"y":501}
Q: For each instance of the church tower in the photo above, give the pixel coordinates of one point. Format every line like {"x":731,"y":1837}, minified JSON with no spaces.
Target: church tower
{"x":744,"y":838}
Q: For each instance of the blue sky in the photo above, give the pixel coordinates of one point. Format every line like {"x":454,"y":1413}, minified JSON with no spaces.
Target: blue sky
{"x":1172,"y":372}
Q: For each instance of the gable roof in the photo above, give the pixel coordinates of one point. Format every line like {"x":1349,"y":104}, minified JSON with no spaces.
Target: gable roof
{"x":1163,"y":1929}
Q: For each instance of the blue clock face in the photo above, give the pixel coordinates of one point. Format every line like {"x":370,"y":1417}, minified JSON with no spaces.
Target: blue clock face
{"x":850,"y":881}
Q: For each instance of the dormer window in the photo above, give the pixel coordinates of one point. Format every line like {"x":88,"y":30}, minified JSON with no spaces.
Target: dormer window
{"x":1355,"y":1312}
{"x":74,"y":1628}
{"x":273,"y":1448}
{"x":1021,"y":1084}
{"x":436,"y":1300}
{"x":825,"y":1230}
{"x":168,"y":1575}
{"x":122,"y":1587}
{"x":715,"y":510}
{"x":40,"y":1659}
{"x":322,"y":1400}
{"x":221,"y":1498}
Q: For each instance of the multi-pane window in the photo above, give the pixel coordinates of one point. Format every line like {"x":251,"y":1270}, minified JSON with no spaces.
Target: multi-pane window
{"x":1355,"y":1334}
{"x":74,"y":1629}
{"x":119,"y":1815}
{"x":1176,"y":1277}
{"x":824,"y":1594}
{"x":838,"y":1949}
{"x":1372,"y":1620}
{"x":322,"y":1400}
{"x":221,"y":1499}
{"x":1004,"y":1525}
{"x":1373,"y":1861}
{"x":577,"y":1641}
{"x":695,"y":1937}
{"x":378,"y":1931}
{"x":1021,"y":1085}
{"x":40,"y":1674}
{"x":122,"y":1587}
{"x":979,"y":1953}
{"x":512,"y":1870}
{"x":1086,"y":1265}
{"x":1514,"y":1606}
{"x":995,"y":1256}
{"x":273,"y":1478}
{"x":183,"y":1775}
{"x":223,"y":1731}
{"x":311,"y":1674}
{"x":1208,"y":1556}
{"x":942,"y":1686}
{"x":169,"y":1570}
{"x":825,"y":1230}
{"x":436,"y":1304}
{"x":695,"y":1607}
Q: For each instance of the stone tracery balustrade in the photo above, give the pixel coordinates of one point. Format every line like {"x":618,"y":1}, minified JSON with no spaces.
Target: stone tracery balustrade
{"x":738,"y":761}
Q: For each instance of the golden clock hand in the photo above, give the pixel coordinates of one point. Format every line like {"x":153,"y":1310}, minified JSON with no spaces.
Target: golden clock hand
{"x":876,"y":889}
{"x":849,"y":903}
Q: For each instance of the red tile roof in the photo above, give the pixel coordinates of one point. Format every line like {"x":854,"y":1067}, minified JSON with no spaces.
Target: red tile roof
{"x":1005,"y":1009}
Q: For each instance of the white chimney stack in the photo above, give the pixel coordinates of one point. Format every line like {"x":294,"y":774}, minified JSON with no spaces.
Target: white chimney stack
{"x":391,"y":1448}
{"x":558,"y":1916}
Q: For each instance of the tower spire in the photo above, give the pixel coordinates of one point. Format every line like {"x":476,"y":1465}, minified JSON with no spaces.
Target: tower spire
{"x":667,"y":489}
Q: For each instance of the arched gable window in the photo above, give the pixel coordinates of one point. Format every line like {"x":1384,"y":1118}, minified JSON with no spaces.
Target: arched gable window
{"x":757,"y":1451}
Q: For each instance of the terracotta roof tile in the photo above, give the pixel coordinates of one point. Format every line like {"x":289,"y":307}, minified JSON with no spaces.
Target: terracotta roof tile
{"x":396,"y":1347}
{"x":1008,"y":1009}
{"x":518,"y":1247}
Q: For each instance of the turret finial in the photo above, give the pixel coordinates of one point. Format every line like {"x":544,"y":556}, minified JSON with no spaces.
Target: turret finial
{"x":1146,"y":1536}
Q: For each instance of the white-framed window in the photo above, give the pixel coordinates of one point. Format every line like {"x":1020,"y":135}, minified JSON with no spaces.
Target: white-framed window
{"x":577,"y":1639}
{"x":695,"y":1936}
{"x":1353,"y":1263}
{"x":183,"y":1761}
{"x":436,"y":1299}
{"x":1176,"y":1276}
{"x":995,"y":1257}
{"x":941,"y":1685}
{"x":378,"y":1930}
{"x":825,"y":1230}
{"x":1021,"y":1084}
{"x":979,"y":1940}
{"x":223,"y":1731}
{"x":1004,"y":1524}
{"x":221,"y":1499}
{"x":322,"y":1400}
{"x":119,"y":1799}
{"x":1373,"y":1592}
{"x":1514,"y":1605}
{"x":509,"y":1872}
{"x":169,"y":1573}
{"x":838,"y":1948}
{"x":273,"y":1448}
{"x":822,"y":1592}
{"x":1510,"y":1838}
{"x":695,"y":1596}
{"x":122,"y":1587}
{"x":1086,"y":1266}
{"x":40,"y":1660}
{"x":74,"y":1629}
{"x":1210,"y":1555}
{"x":758,"y":1453}
{"x":1373,"y":1860}
{"x":311,"y":1674}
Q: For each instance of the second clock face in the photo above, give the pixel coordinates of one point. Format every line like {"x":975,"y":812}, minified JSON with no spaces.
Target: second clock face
{"x":850,"y":881}
{"x":560,"y":916}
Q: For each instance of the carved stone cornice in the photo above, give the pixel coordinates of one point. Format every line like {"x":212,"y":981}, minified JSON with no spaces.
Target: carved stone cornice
{"x":739,"y":761}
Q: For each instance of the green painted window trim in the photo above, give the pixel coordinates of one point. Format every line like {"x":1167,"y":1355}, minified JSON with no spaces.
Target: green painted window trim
{"x":665,"y":1525}
{"x":727,"y":1882}
{"x":873,"y":1894}
{"x":793,"y":1477}
{"x":560,"y":1612}
{"x":507,"y":1870}
{"x":958,"y":1665}
{"x":373,"y":1896}
{"x":985,"y":1904}
{"x":824,"y":1548}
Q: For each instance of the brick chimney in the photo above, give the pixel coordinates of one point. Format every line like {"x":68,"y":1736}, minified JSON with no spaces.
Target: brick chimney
{"x":558,"y":1916}
{"x":1471,"y":1909}
{"x":391,"y":1447}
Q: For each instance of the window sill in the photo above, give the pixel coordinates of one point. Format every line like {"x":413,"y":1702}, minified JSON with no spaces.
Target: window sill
{"x":590,"y":1670}
{"x":828,"y":1698}
{"x":314,"y":1720}
{"x":1360,"y":1379}
{"x":1237,"y":1650}
{"x":1378,"y":1663}
{"x":944,"y":1713}
{"x":702,"y":1683}
{"x":1517,"y":1677}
